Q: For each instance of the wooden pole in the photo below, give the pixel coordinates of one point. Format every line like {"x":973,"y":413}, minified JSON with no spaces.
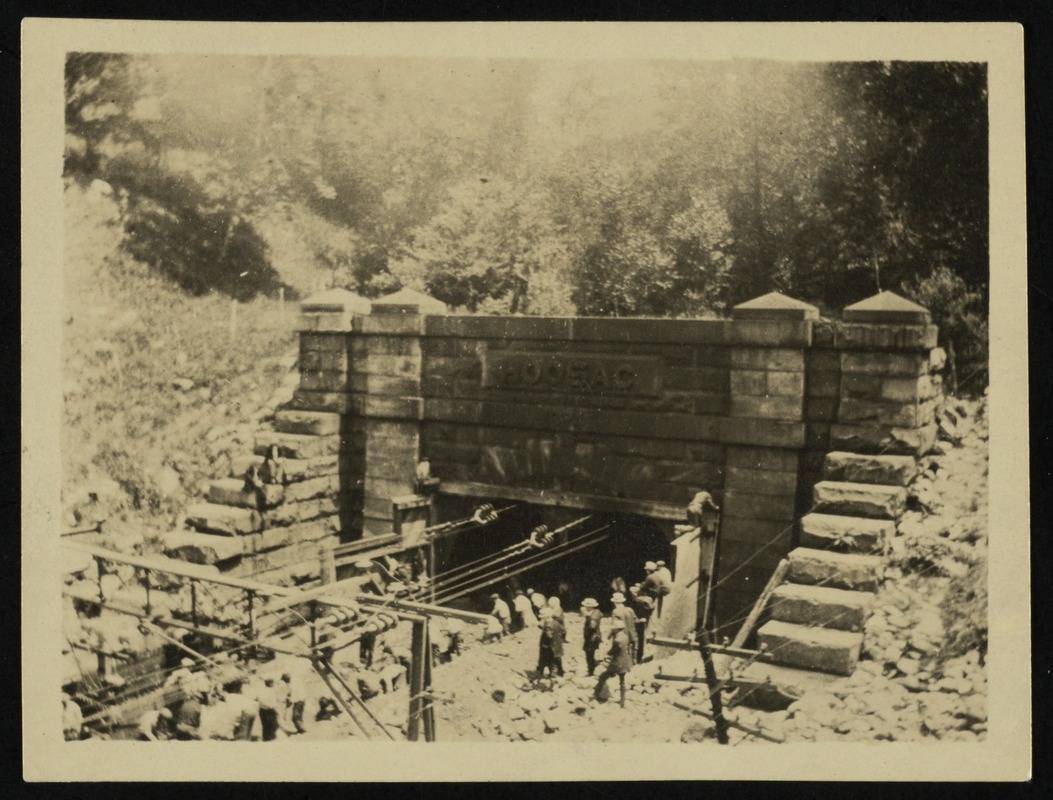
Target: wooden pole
{"x":714,"y":688}
{"x":281,"y":302}
{"x":418,"y":657}
{"x":762,"y":601}
{"x":327,"y":565}
{"x":193,"y":602}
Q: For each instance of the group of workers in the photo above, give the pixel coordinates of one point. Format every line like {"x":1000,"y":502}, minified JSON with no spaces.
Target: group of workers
{"x":531,"y":610}
{"x":239,"y":710}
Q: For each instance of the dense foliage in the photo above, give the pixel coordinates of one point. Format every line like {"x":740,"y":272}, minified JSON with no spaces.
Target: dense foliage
{"x":657,"y":188}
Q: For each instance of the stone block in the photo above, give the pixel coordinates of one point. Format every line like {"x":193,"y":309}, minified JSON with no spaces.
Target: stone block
{"x":820,"y":606}
{"x":764,"y":432}
{"x":785,"y":384}
{"x":661,"y":331}
{"x":880,"y":363}
{"x":393,"y":407}
{"x":859,"y":499}
{"x":315,"y":361}
{"x":378,"y":507}
{"x":324,"y":381}
{"x":910,"y":414}
{"x":785,"y":408}
{"x":751,"y":505}
{"x":757,"y":532}
{"x":232,"y":492}
{"x":886,"y":308}
{"x":286,"y":556}
{"x":388,"y":487}
{"x":762,"y":458}
{"x":770,"y":332}
{"x":882,"y":439}
{"x":391,"y":366}
{"x":477,"y":327}
{"x":907,"y":389}
{"x":761,"y":481}
{"x":325,"y":342}
{"x":405,"y":346}
{"x":332,"y":402}
{"x":311,"y":423}
{"x":767,"y":358}
{"x":272,"y":538}
{"x":860,"y":386}
{"x":222,"y":519}
{"x":749,"y":381}
{"x":856,"y":468}
{"x":376,"y":385}
{"x":202,"y":548}
{"x":856,"y":336}
{"x":708,"y":379}
{"x":853,"y":571}
{"x":313,"y":487}
{"x":851,"y":534}
{"x":325,"y":322}
{"x":295,"y":445}
{"x":293,"y":513}
{"x":821,"y":409}
{"x":821,"y":649}
{"x":380,"y":324}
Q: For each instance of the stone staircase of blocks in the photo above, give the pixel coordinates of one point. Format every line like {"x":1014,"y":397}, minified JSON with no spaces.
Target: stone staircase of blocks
{"x":816,"y":617}
{"x":281,"y":541}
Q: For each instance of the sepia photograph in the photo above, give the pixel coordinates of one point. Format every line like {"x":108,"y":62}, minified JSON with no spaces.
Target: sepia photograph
{"x":472,"y":388}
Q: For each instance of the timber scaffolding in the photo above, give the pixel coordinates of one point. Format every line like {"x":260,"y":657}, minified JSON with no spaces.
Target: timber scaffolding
{"x":334,"y":614}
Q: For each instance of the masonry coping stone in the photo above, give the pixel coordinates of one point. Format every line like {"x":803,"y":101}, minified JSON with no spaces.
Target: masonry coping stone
{"x":335,"y":301}
{"x":408,"y":301}
{"x":887,"y":308}
{"x":774,"y":305}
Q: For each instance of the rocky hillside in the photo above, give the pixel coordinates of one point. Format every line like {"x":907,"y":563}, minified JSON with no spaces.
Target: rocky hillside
{"x":158,"y":393}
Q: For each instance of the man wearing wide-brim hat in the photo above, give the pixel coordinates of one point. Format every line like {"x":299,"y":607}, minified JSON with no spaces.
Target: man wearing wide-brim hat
{"x":627,"y":616}
{"x":592,"y":618}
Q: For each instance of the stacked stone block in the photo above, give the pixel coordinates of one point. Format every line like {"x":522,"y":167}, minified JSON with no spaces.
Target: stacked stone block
{"x":768,"y":380}
{"x":320,"y":443}
{"x":388,"y":367}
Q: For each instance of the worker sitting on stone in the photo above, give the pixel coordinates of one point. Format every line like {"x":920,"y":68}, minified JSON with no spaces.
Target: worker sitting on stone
{"x":155,"y":725}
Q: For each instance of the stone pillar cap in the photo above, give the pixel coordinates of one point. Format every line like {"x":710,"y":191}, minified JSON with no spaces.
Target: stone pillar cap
{"x":774,"y":305}
{"x":408,"y":301}
{"x":335,"y":301}
{"x":887,"y":308}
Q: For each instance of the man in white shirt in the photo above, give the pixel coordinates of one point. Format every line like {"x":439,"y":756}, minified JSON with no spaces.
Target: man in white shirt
{"x":155,"y":725}
{"x":295,"y":701}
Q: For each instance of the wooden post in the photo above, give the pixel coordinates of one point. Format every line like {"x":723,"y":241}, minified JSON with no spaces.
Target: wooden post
{"x":428,"y":707}
{"x":762,"y":601}
{"x":312,"y":616}
{"x":419,"y":657}
{"x":714,"y":688}
{"x":99,"y":572}
{"x":432,"y":571}
{"x":193,"y":602}
{"x":252,"y":622}
{"x":146,"y":586}
{"x":327,"y":564}
{"x":281,"y":302}
{"x":707,"y":556}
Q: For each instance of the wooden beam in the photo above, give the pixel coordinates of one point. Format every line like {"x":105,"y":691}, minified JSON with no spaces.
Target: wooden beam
{"x":426,"y":609}
{"x":758,"y":607}
{"x":560,"y":499}
{"x":184,"y":569}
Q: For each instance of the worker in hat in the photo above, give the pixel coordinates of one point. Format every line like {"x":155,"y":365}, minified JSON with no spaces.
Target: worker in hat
{"x":525,"y":617}
{"x":182,"y":679}
{"x":592,"y":618}
{"x":502,"y":612}
{"x":619,"y":661}
{"x":627,"y":616}
{"x":550,"y":646}
{"x":537,"y":600}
